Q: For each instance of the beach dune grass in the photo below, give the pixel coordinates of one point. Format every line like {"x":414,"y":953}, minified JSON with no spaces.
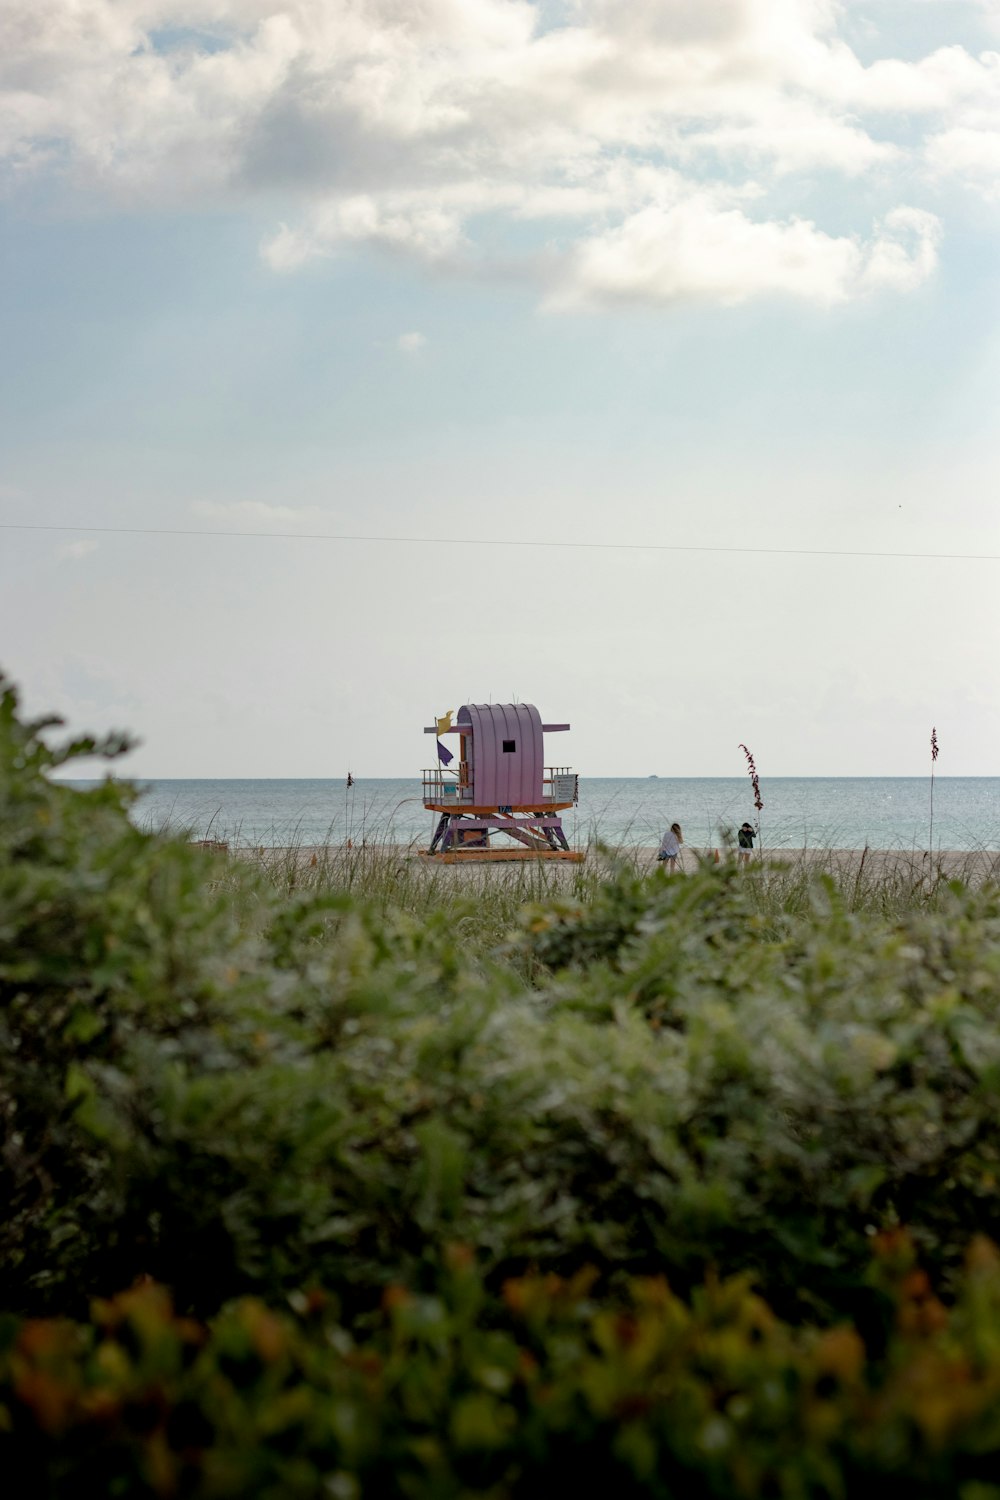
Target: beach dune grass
{"x":888,"y":882}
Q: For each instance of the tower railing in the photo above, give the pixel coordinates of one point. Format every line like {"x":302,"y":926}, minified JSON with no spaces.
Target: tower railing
{"x":443,"y":785}
{"x":440,"y":784}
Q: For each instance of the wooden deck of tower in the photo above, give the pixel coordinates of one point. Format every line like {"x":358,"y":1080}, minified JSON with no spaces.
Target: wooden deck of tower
{"x":499,"y":788}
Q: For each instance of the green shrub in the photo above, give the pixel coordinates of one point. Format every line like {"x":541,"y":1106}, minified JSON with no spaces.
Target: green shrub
{"x":838,"y":1076}
{"x":563,"y":1389}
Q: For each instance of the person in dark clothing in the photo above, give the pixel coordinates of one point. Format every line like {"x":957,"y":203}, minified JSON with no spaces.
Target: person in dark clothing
{"x":745,"y":837}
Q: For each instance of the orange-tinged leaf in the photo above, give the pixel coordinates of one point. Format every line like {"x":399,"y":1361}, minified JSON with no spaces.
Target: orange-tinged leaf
{"x":51,"y":1400}
{"x":840,"y":1352}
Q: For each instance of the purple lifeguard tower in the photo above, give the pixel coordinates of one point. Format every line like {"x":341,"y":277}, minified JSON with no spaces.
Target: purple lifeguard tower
{"x":500,"y":788}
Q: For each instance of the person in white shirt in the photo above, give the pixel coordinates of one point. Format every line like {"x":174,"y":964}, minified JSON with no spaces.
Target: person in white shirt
{"x":670,"y":847}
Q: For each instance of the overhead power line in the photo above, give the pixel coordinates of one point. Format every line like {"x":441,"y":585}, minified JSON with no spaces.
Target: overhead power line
{"x":472,"y":541}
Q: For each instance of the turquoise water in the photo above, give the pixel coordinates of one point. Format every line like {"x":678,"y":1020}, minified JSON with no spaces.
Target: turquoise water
{"x":812,"y":812}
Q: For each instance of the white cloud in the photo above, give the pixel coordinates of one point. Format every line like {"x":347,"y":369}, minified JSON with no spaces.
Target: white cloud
{"x":969,"y":155}
{"x":74,"y":551}
{"x":406,"y":222}
{"x":698,"y":250}
{"x":903,"y":253}
{"x":411,"y":343}
{"x":410,"y":127}
{"x":792,"y":138}
{"x":945,"y":80}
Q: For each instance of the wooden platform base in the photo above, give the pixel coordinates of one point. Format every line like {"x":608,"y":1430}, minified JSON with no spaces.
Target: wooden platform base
{"x":484,"y":856}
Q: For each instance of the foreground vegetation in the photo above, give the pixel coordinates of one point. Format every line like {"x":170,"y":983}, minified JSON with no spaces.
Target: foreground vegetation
{"x":685,"y":1187}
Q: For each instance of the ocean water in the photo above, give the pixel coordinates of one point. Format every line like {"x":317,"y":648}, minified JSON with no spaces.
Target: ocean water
{"x":799,"y":812}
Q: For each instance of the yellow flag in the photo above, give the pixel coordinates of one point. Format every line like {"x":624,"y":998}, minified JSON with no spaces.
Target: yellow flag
{"x":444,"y":724}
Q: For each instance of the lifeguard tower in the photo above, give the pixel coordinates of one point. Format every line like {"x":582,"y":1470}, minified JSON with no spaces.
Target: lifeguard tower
{"x":499,"y":789}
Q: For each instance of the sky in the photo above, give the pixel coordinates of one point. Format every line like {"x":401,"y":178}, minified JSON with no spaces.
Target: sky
{"x":616,"y":328}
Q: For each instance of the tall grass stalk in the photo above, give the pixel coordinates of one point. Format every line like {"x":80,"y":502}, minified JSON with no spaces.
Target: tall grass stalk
{"x":934,"y":756}
{"x":758,"y":800}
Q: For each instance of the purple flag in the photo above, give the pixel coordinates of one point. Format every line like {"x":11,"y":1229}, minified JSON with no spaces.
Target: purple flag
{"x":444,"y":754}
